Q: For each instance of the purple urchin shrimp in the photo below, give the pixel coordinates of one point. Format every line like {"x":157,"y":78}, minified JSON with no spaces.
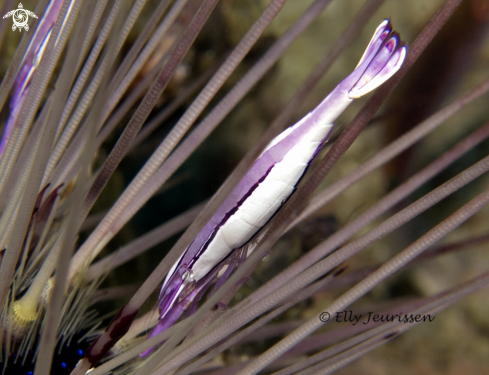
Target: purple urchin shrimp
{"x":268,"y":184}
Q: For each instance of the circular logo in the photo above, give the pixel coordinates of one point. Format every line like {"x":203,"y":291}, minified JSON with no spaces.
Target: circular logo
{"x":20,"y":16}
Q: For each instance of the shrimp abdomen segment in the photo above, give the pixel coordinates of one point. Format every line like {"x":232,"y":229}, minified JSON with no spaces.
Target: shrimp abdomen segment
{"x":263,"y":200}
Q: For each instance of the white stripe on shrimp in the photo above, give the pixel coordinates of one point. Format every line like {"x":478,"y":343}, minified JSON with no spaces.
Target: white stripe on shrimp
{"x":263,"y":202}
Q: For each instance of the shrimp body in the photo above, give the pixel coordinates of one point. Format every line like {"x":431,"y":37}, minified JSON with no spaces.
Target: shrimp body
{"x":271,"y":180}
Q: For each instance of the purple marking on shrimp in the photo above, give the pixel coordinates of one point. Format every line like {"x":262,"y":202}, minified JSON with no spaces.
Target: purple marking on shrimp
{"x":176,"y":311}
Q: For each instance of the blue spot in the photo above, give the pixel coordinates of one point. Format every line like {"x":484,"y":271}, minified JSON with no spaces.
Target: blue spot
{"x":63,"y":364}
{"x":29,"y":373}
{"x":80,"y":352}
